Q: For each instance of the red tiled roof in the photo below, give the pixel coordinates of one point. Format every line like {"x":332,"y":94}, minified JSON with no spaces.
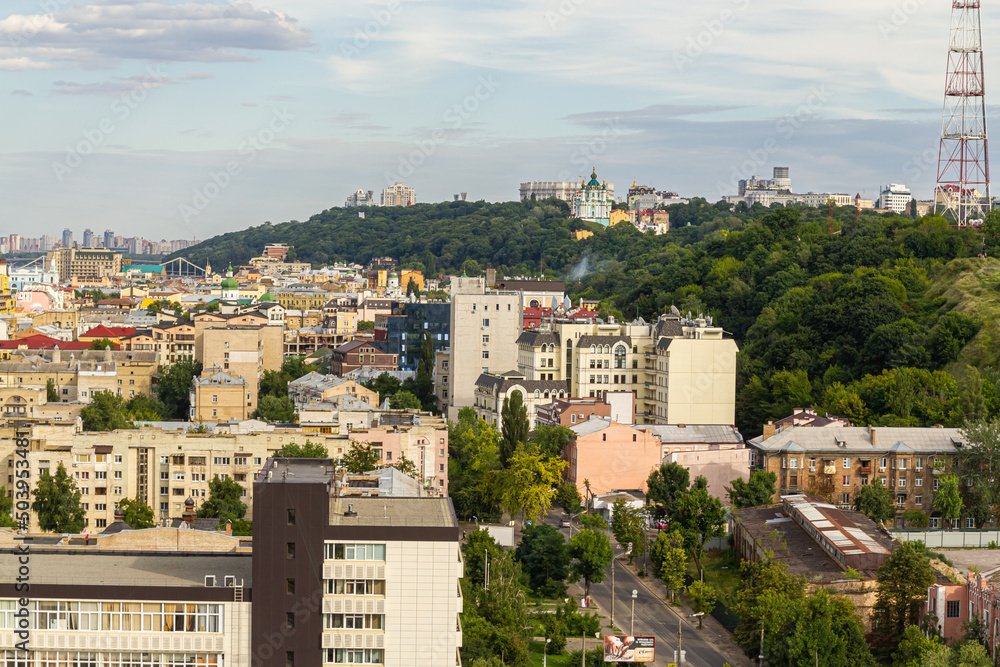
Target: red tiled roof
{"x":102,"y":331}
{"x":40,"y":342}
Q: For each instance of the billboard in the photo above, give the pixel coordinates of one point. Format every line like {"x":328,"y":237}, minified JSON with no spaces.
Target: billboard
{"x":625,"y":648}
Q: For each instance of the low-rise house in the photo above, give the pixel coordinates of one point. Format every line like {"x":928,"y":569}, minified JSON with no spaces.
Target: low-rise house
{"x":318,"y":388}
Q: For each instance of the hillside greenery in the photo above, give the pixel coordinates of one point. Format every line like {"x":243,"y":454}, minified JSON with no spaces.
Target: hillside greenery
{"x":887,"y":320}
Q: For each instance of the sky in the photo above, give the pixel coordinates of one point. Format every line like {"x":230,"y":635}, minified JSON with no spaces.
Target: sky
{"x":190,"y":118}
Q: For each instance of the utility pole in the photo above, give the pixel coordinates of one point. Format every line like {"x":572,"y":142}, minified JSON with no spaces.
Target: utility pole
{"x":760,"y":658}
{"x":486,"y":574}
{"x":680,"y":652}
{"x":613,"y":559}
{"x":583,"y":657}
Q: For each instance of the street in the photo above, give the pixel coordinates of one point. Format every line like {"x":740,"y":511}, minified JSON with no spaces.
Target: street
{"x":653,"y":616}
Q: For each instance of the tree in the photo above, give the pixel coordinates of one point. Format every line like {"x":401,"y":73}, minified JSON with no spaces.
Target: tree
{"x":545,"y":559}
{"x":903,"y":580}
{"x":756,"y":581}
{"x":527,"y":484}
{"x":310,"y":450}
{"x":106,"y":412}
{"x":592,"y":553}
{"x":478,"y":548}
{"x":137,"y":513}
{"x":57,"y":502}
{"x":425,"y":370}
{"x":275,"y":410}
{"x":406,"y":466}
{"x":405,"y":400}
{"x":875,"y":502}
{"x":51,"y":394}
{"x":700,"y":518}
{"x":759,"y":490}
{"x":386,"y":385}
{"x":703,"y":599}
{"x":143,"y":407}
{"x":665,"y":484}
{"x":669,"y":560}
{"x":103,"y":344}
{"x":628,"y":525}
{"x":978,"y":463}
{"x":913,"y":648}
{"x":568,"y":498}
{"x":513,"y":426}
{"x":411,"y":287}
{"x":948,"y":500}
{"x":916,"y":519}
{"x":551,"y":440}
{"x":223,"y":501}
{"x":503,"y":610}
{"x":365,"y":325}
{"x":361,"y":458}
{"x":174,"y":388}
{"x":7,"y":512}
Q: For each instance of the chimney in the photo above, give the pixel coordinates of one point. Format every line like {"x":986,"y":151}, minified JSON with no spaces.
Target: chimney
{"x":229,"y":528}
{"x":769,"y":430}
{"x":56,"y":355}
{"x":871,"y":434}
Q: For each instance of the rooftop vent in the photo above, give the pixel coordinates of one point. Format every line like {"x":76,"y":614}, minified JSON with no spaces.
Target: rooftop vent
{"x":350,"y":510}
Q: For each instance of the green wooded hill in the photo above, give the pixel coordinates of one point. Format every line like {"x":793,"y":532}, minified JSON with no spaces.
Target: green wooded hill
{"x":885,"y":320}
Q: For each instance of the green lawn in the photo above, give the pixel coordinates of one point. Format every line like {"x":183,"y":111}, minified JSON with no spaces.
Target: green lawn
{"x":722,"y":571}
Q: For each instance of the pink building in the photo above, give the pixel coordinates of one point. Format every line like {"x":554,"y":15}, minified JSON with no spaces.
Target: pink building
{"x":949,"y":603}
{"x":425,"y":445}
{"x":984,"y":599}
{"x":610,"y":456}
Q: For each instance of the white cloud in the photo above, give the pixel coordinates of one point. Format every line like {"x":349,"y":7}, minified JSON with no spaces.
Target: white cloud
{"x":105,"y":33}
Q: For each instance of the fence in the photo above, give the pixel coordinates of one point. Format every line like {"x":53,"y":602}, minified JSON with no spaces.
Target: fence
{"x":950,"y":539}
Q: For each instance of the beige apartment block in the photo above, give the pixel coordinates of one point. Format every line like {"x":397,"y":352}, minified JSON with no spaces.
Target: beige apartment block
{"x":220,"y":396}
{"x":78,"y":375}
{"x":166,"y":467}
{"x":85,"y":265}
{"x":425,"y":443}
{"x":273,"y":335}
{"x":680,"y":370}
{"x":485,"y":325}
{"x":244,"y":350}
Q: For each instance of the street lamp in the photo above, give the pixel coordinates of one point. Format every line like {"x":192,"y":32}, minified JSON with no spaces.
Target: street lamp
{"x":631,"y":629}
{"x":680,"y":652}
{"x":545,"y":653}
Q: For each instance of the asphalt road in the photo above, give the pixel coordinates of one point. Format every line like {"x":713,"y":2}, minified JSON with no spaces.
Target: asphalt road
{"x":653,"y":617}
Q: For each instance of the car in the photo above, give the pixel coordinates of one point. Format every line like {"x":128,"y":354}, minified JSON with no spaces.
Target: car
{"x":565,"y":523}
{"x":660,"y":525}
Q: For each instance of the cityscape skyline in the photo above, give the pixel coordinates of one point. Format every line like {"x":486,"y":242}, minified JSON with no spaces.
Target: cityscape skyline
{"x":185,"y":139}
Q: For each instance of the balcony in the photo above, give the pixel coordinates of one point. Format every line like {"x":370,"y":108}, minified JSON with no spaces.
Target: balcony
{"x":865,"y":470}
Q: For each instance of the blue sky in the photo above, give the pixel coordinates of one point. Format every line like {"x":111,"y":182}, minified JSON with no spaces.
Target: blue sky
{"x":188,"y":118}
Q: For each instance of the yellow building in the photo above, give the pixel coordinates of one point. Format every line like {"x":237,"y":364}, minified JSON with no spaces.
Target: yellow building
{"x":405,"y":275}
{"x":581,"y":234}
{"x":220,"y":396}
{"x":7,"y":301}
{"x":620,"y":215}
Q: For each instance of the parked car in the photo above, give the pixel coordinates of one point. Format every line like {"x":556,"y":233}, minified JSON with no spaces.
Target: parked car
{"x":565,"y":523}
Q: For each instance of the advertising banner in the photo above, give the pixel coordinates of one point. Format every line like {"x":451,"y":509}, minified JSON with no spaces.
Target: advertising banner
{"x":625,"y":648}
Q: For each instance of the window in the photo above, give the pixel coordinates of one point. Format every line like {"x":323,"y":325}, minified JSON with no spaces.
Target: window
{"x":215,"y":398}
{"x":289,"y":658}
{"x":935,"y":522}
{"x":355,"y":587}
{"x":918,"y":500}
{"x":845,"y":498}
{"x":290,"y":586}
{"x":847,"y":480}
{"x":952,"y":609}
{"x":290,"y":517}
{"x":289,"y":619}
{"x":355,"y":656}
{"x":812,"y":465}
{"x":118,"y":458}
{"x":902,"y":464}
{"x":164,"y":490}
{"x":164,"y":476}
{"x":333,"y":551}
{"x":354,"y":621}
{"x":486,"y":322}
{"x":101,"y":507}
{"x":793,"y":462}
{"x":919,"y":464}
{"x":486,"y":340}
{"x":883,"y":463}
{"x":221,"y":460}
{"x":118,"y":474}
{"x":486,"y":354}
{"x":847,"y":464}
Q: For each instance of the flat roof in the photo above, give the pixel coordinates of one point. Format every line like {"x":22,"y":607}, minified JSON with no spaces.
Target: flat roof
{"x":301,"y":471}
{"x":395,"y":512}
{"x":76,"y":567}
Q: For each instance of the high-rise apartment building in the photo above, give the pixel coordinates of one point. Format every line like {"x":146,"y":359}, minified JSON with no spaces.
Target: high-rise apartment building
{"x":895,"y":197}
{"x":361,"y":198}
{"x":484,"y":327}
{"x":382,"y":570}
{"x":88,"y":238}
{"x":682,"y":371}
{"x":399,"y":195}
{"x":85,"y":265}
{"x":109,"y":239}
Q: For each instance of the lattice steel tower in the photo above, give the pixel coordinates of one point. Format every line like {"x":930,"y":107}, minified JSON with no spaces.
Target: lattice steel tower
{"x":963,"y":178}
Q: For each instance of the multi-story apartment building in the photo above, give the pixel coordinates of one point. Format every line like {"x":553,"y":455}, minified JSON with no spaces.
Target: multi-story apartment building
{"x":682,"y":371}
{"x":220,"y":396}
{"x":837,"y":462}
{"x":174,"y":341}
{"x":301,"y":298}
{"x":358,"y":353}
{"x":484,"y":328}
{"x":493,"y":389}
{"x":77,"y":375}
{"x":85,"y":265}
{"x":895,"y":197}
{"x":398,"y":194}
{"x":405,"y":327}
{"x":984,"y":601}
{"x":565,"y":190}
{"x":164,"y":467}
{"x":95,"y":602}
{"x":317,"y":388}
{"x":617,"y":406}
{"x":383,"y":571}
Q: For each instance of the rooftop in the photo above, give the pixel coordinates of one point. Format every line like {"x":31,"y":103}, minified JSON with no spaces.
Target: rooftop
{"x":397,"y":512}
{"x":865,"y":440}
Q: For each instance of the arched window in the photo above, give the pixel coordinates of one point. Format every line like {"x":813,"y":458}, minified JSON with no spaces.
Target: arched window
{"x":620,"y":351}
{"x":607,"y":349}
{"x":593,"y":349}
{"x":537,"y":394}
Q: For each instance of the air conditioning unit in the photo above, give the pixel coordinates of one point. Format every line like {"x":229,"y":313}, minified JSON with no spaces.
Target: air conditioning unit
{"x":210,"y":581}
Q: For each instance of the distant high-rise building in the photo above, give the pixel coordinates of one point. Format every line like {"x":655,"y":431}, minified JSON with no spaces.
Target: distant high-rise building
{"x":399,"y":195}
{"x":781,"y":179}
{"x":67,"y":239}
{"x":109,"y":238}
{"x":565,"y":190}
{"x":48,"y":242}
{"x":361,"y":198}
{"x":88,"y":238}
{"x":895,"y":197}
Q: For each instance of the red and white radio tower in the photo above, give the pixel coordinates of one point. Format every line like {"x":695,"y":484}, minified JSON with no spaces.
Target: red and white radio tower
{"x":963,"y":178}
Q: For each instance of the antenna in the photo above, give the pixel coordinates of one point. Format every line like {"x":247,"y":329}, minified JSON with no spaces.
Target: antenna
{"x":963,"y":178}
